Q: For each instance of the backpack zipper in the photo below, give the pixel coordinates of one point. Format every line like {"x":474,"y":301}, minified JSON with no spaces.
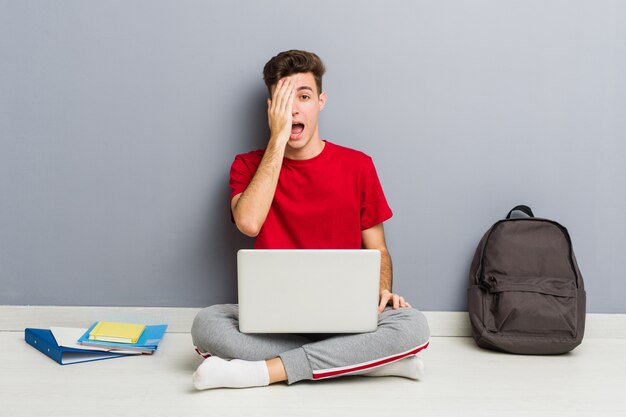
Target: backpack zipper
{"x":487,"y":285}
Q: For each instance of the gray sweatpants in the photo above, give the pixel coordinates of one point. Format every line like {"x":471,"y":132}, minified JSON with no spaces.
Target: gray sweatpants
{"x":400,"y":333}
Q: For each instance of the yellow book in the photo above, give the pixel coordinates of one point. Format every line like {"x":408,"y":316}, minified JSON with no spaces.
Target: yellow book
{"x":107,"y":331}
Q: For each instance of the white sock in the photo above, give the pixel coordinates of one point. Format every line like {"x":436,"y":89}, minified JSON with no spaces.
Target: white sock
{"x":216,"y":372}
{"x":410,"y":367}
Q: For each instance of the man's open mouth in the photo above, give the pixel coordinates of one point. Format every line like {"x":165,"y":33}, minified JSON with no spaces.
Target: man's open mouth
{"x":296,"y":129}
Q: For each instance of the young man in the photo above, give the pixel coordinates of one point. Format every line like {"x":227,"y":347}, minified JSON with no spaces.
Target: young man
{"x":302,"y":192}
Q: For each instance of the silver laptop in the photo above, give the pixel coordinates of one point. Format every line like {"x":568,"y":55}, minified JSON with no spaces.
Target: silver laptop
{"x":308,"y":291}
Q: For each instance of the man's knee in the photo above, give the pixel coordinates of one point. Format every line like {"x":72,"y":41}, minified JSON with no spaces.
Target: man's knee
{"x":419,"y":325}
{"x":411,"y":326}
{"x":210,"y":323}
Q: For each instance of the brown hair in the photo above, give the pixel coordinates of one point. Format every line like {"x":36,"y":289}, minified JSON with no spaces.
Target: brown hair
{"x":293,"y":62}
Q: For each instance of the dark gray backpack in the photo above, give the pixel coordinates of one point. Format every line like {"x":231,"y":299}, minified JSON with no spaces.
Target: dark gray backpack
{"x":526,"y":294}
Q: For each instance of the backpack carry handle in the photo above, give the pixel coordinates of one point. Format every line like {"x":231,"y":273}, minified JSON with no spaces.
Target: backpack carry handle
{"x":525,"y":209}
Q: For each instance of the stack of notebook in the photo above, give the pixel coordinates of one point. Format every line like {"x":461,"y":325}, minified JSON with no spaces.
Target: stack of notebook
{"x":103,"y":340}
{"x":123,"y":336}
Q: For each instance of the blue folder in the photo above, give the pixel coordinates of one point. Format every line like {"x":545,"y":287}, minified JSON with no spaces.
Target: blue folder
{"x":43,"y":340}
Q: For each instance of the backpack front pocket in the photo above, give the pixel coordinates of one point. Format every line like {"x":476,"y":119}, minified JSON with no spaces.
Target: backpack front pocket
{"x":531,"y":305}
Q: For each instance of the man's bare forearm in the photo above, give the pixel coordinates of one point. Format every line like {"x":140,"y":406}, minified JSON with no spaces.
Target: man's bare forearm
{"x":252,"y":207}
{"x":386,"y":271}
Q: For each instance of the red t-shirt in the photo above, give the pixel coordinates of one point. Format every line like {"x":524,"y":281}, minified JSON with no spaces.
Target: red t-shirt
{"x":320,"y":203}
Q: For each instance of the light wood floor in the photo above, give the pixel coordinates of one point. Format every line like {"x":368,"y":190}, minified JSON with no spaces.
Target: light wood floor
{"x":461,"y":380}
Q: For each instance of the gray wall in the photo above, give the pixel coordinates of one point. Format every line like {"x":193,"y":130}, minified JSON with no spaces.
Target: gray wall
{"x":119,"y":121}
